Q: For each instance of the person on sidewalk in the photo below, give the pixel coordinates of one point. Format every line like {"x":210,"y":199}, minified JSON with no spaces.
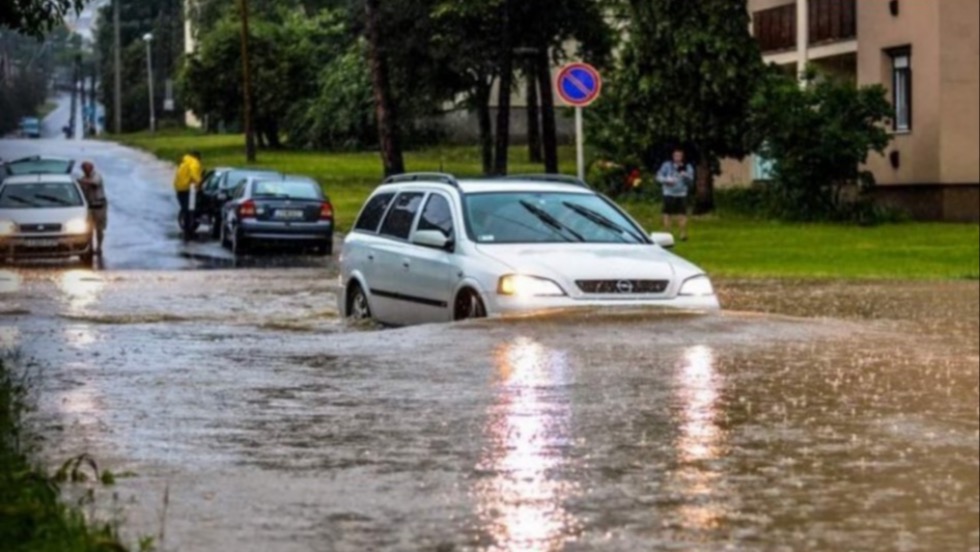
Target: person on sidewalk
{"x":94,"y":189}
{"x":676,"y":176}
{"x":190,"y":173}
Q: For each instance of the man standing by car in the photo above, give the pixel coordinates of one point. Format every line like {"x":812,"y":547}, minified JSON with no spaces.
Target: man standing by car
{"x":94,"y":189}
{"x":190,"y":173}
{"x":676,"y":176}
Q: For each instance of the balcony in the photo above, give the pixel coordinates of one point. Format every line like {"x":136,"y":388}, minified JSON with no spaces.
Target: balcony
{"x":829,"y":21}
{"x":832,"y":21}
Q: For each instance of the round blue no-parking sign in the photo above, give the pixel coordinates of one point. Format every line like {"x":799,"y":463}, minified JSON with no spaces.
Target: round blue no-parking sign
{"x":579,"y":84}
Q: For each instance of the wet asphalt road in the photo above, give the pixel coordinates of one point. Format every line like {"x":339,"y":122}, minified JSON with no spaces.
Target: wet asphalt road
{"x":809,"y":416}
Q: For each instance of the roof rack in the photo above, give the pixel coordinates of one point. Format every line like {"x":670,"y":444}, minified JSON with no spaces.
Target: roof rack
{"x":555,"y":178}
{"x":444,"y":178}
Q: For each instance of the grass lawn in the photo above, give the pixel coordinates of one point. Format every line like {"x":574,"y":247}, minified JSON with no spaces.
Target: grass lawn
{"x":724,"y":244}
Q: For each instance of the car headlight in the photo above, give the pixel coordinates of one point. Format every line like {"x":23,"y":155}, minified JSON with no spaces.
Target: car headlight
{"x":516,"y":285}
{"x":7,"y":228}
{"x":699,"y":286}
{"x":77,"y":226}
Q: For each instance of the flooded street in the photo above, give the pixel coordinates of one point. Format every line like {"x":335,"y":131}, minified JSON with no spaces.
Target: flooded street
{"x":844,"y":418}
{"x":240,"y":413}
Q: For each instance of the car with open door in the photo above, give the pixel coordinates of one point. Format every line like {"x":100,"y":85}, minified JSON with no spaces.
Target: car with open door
{"x":44,"y":216}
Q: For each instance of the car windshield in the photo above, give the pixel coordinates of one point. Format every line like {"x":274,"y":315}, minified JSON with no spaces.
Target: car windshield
{"x":521,"y":218}
{"x":286,"y":189}
{"x":40,"y":196}
{"x":39,"y":166}
{"x":236,"y":177}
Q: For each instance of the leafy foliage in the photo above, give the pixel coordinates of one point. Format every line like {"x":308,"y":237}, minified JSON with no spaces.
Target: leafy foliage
{"x":819,"y":136}
{"x":37,"y":17}
{"x":686,"y":77}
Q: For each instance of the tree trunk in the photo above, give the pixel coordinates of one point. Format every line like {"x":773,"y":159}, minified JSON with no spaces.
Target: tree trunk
{"x":506,"y":87}
{"x":704,"y":201}
{"x":549,"y":127}
{"x":533,"y":114}
{"x":387,"y":115}
{"x":248,"y":104}
{"x":482,"y":99}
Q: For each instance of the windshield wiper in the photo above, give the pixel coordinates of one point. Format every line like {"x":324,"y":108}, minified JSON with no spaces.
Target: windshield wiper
{"x":22,"y":201}
{"x":602,"y":220}
{"x":52,"y":199}
{"x":551,"y":221}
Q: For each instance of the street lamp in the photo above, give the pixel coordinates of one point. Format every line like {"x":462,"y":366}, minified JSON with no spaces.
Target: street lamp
{"x":148,"y":38}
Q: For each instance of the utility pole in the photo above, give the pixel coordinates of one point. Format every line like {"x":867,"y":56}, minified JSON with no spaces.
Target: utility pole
{"x":247,"y":85}
{"x":148,"y":38}
{"x":117,"y":68}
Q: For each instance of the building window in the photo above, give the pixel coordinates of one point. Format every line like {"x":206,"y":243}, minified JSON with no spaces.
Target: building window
{"x":902,"y":88}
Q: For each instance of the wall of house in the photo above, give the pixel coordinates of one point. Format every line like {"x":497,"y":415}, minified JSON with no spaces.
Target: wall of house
{"x":960,"y":92}
{"x":917,"y":26}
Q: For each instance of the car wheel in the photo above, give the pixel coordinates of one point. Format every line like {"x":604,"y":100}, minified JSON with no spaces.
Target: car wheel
{"x":215,"y":228}
{"x":469,"y":306}
{"x":358,"y":308}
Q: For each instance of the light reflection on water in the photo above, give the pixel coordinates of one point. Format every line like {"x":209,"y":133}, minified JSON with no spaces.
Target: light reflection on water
{"x":701,"y":440}
{"x":521,"y":502}
{"x":81,"y":289}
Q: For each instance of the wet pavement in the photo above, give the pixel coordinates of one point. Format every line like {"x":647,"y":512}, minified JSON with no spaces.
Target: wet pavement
{"x":246,"y":416}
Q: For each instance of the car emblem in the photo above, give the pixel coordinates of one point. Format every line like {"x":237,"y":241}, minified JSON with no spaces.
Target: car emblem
{"x":624,"y":286}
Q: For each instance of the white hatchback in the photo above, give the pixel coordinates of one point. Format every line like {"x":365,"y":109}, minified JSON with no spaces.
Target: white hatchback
{"x":428,"y":248}
{"x":44,"y":216}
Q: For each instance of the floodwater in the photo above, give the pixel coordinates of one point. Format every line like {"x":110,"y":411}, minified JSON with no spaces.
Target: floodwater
{"x":809,"y":416}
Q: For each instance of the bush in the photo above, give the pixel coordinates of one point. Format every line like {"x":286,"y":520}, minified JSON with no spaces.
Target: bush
{"x":819,"y":136}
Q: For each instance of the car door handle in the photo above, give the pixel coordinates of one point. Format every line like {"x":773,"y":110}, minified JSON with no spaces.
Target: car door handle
{"x":407,"y":265}
{"x":371,"y":258}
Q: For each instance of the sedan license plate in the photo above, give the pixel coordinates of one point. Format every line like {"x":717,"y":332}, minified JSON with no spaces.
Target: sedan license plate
{"x":289,"y":214}
{"x":41,"y":243}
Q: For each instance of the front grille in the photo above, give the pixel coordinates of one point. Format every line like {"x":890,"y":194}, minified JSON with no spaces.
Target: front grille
{"x":39,"y":228}
{"x":623,"y":287}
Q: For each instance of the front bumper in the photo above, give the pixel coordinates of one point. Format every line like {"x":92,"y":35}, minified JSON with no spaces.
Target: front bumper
{"x":500,"y":305}
{"x":45,"y":247}
{"x":280,"y":231}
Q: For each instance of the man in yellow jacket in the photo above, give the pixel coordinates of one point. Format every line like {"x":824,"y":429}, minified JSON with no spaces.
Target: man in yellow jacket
{"x":189,"y":173}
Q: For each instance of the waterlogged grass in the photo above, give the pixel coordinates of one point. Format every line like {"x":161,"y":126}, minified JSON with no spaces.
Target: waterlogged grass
{"x":32,"y":517}
{"x":724,"y":244}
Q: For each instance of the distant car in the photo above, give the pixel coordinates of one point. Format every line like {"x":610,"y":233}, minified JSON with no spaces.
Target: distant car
{"x":30,"y":127}
{"x":290,"y":210}
{"x":36,"y":165}
{"x":430,"y":248}
{"x":44,"y":216}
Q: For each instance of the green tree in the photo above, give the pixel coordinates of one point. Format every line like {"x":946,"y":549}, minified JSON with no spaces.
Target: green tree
{"x":686,"y":77}
{"x":820,"y":136}
{"x":37,"y":17}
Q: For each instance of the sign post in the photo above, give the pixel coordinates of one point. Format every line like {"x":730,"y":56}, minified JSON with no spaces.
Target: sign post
{"x":579,"y":85}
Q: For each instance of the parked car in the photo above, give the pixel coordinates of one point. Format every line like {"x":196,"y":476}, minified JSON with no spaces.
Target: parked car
{"x":44,"y":216}
{"x":429,"y":248}
{"x":216,"y":191}
{"x":30,"y":127}
{"x":285,"y":210}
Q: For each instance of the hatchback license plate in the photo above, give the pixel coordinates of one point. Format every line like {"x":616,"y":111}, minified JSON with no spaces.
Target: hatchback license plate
{"x":41,"y":243}
{"x":289,"y":214}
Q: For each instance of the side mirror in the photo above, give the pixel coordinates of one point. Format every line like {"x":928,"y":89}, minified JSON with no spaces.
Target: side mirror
{"x":433,"y":239}
{"x":663,"y":240}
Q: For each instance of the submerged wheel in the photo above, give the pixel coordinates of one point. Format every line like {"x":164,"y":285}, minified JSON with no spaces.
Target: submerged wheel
{"x":239,"y":245}
{"x":358,"y":308}
{"x":469,"y":306}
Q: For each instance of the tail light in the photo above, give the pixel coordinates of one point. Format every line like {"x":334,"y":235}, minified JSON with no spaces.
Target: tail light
{"x":326,"y":211}
{"x":247,"y":209}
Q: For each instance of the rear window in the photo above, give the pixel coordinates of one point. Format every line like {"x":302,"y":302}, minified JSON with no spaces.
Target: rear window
{"x":235,"y":178}
{"x":375,"y":209}
{"x":40,"y":196}
{"x":287,"y":190}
